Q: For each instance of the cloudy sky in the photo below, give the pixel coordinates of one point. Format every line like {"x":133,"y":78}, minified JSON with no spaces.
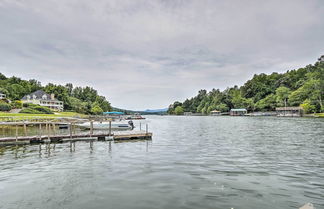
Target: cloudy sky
{"x":147,"y":54}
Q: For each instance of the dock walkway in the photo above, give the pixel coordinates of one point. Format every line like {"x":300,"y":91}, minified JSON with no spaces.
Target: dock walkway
{"x":52,"y":135}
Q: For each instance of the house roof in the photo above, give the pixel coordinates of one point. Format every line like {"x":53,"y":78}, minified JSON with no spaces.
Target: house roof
{"x":39,"y":95}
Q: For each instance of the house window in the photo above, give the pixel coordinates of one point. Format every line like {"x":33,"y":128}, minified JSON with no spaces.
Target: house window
{"x":44,"y":96}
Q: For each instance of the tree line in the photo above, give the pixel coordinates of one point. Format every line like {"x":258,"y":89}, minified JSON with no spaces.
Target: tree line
{"x":84,"y":100}
{"x":302,"y":87}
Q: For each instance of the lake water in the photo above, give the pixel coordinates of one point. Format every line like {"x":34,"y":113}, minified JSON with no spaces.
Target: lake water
{"x":191,"y":162}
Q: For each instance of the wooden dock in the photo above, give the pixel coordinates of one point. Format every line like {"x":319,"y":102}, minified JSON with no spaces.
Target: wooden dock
{"x":97,"y":136}
{"x":47,"y":133}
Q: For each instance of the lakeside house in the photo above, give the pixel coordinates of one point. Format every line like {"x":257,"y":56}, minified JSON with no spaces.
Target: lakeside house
{"x":41,"y":98}
{"x":2,"y":96}
{"x":238,"y":112}
{"x":290,"y":111}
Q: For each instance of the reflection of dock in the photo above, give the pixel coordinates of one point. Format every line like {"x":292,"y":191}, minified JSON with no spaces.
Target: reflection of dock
{"x":47,"y":133}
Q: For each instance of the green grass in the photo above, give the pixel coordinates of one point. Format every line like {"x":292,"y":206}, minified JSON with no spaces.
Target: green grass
{"x":56,"y":115}
{"x":321,"y":115}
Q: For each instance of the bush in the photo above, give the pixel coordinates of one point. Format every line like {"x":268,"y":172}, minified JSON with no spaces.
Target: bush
{"x":30,"y":105}
{"x":36,"y":109}
{"x":17,"y":104}
{"x":30,"y":111}
{"x":45,"y":110}
{"x":4,"y":106}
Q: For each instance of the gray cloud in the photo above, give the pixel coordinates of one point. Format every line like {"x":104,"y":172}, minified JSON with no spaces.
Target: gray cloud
{"x":146,"y":54}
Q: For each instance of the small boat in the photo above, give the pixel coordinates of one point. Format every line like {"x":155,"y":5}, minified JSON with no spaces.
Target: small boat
{"x":136,"y":116}
{"x":105,"y":125}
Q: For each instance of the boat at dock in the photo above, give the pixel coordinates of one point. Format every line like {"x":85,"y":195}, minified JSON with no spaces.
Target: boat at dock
{"x":105,"y":125}
{"x":136,"y":116}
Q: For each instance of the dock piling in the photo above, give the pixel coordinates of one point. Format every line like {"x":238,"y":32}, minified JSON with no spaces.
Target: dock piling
{"x":70,"y":130}
{"x":25,"y":129}
{"x":109,"y":134}
{"x":16,"y":133}
{"x":91,"y":128}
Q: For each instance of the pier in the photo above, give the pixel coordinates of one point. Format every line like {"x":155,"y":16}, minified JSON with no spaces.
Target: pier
{"x":47,"y":132}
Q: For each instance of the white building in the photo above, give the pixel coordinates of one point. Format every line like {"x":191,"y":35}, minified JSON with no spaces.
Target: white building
{"x":41,"y":98}
{"x":2,"y":96}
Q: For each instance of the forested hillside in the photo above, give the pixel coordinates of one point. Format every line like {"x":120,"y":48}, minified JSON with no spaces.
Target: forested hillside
{"x":79,"y":99}
{"x":303,"y":87}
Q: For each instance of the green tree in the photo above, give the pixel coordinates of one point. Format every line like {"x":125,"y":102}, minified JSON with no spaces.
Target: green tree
{"x":96,"y":109}
{"x":268,"y":103}
{"x":178,"y":110}
{"x":308,"y":106}
{"x":282,"y":94}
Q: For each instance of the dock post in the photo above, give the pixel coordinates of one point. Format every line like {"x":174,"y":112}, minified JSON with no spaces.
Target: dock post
{"x":91,"y":128}
{"x":146,"y":128}
{"x":140,"y":126}
{"x":48,"y":131}
{"x":71,"y":131}
{"x":16,"y":133}
{"x":40,"y":132}
{"x":53,"y":125}
{"x":109,"y":134}
{"x":25,"y":129}
{"x":73,"y":125}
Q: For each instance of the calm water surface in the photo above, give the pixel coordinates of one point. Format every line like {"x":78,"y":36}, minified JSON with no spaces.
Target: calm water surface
{"x":192,"y":162}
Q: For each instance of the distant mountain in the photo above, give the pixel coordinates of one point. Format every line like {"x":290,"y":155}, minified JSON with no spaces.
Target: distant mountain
{"x":143,"y":112}
{"x":156,"y":110}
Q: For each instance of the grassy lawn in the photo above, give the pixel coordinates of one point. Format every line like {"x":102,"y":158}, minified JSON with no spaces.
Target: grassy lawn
{"x":321,"y":115}
{"x":56,"y":115}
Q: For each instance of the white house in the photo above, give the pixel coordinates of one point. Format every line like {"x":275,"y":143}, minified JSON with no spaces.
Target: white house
{"x":41,"y":98}
{"x":2,"y":96}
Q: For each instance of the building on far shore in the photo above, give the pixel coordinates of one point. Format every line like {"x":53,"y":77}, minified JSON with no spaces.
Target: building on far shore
{"x":290,"y":111}
{"x":321,"y":59}
{"x":2,"y":96}
{"x":215,"y":113}
{"x":41,"y":98}
{"x":238,"y":112}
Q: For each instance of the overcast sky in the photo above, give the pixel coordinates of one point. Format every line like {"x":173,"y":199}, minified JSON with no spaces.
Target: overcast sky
{"x":147,"y":54}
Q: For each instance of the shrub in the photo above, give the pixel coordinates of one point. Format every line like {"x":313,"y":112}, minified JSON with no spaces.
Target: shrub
{"x":45,"y":110}
{"x":30,"y":105}
{"x":36,"y":109}
{"x":4,"y":106}
{"x":17,"y":104}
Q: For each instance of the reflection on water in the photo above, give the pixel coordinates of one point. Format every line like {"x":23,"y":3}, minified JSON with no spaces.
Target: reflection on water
{"x":192,"y":162}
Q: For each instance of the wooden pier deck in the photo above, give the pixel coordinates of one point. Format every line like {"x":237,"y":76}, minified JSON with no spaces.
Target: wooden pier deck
{"x":103,"y":136}
{"x":46,"y":132}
